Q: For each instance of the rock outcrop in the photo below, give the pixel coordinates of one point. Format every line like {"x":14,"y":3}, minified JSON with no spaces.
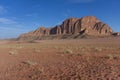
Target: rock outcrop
{"x":116,"y":34}
{"x":89,"y":25}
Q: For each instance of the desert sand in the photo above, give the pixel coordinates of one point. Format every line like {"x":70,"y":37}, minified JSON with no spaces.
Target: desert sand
{"x":75,"y":59}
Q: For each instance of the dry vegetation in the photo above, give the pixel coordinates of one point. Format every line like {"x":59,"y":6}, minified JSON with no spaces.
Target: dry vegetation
{"x":84,"y":59}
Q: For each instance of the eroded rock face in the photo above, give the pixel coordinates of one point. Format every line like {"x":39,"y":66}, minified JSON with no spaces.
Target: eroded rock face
{"x":89,"y":25}
{"x":68,"y":25}
{"x":42,"y":31}
{"x":102,"y":28}
{"x":56,"y":30}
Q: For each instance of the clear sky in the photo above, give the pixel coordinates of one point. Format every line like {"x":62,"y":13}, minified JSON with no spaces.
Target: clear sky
{"x":21,"y":16}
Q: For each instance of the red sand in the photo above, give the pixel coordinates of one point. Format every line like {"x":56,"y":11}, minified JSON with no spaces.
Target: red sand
{"x":84,"y":59}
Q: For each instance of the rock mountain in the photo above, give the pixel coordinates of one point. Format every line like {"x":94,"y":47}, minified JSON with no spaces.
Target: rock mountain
{"x":88,"y":25}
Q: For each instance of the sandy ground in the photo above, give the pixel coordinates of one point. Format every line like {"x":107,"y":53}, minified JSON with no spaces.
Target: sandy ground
{"x":83,"y":59}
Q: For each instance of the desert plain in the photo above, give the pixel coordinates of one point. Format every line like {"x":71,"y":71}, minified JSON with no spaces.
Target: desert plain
{"x":74,"y":59}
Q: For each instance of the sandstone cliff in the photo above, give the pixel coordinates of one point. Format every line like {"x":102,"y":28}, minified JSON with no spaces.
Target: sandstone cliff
{"x":88,"y":25}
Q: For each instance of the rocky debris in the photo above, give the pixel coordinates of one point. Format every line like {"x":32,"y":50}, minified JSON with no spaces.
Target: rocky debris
{"x":116,"y":34}
{"x":88,"y":25}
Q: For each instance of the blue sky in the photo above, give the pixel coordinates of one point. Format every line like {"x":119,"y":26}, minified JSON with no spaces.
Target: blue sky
{"x":21,"y":16}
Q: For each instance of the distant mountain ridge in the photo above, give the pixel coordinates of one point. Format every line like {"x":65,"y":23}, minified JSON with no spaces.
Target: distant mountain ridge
{"x":88,"y":25}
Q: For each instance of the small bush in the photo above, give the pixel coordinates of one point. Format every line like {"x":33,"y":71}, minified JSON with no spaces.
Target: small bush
{"x":37,"y":50}
{"x":69,"y":51}
{"x":97,"y":49}
{"x":113,"y":56}
{"x":30,"y":62}
{"x":13,"y":52}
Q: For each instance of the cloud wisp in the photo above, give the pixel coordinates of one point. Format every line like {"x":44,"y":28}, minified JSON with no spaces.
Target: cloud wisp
{"x":10,"y":32}
{"x":10,"y":28}
{"x":2,"y":10}
{"x":7,"y":21}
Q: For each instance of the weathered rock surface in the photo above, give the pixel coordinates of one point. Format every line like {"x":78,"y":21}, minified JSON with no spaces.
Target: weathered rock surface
{"x":89,"y":25}
{"x":116,"y":34}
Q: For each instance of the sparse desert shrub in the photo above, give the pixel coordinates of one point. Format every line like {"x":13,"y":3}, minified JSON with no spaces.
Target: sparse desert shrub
{"x":112,"y":56}
{"x":82,"y":48}
{"x":116,"y":56}
{"x":19,"y":47}
{"x":29,"y":62}
{"x":56,"y":47}
{"x":109,"y":56}
{"x":80,"y":53}
{"x":37,"y":50}
{"x":68,"y":51}
{"x":13,"y":52}
{"x":97,"y":49}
